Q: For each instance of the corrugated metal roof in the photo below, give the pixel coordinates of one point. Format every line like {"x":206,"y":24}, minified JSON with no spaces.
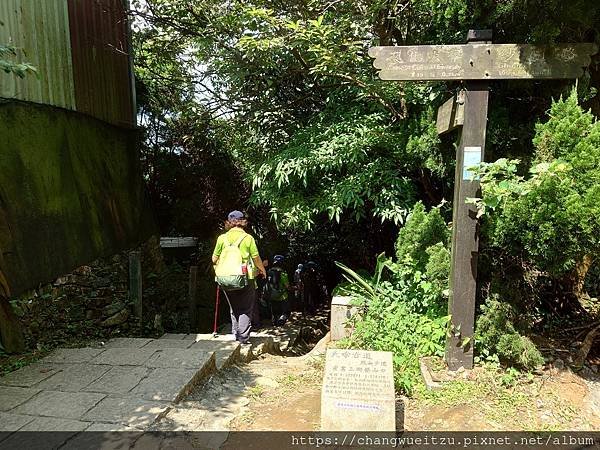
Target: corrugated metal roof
{"x":41,"y":30}
{"x":100,"y":49}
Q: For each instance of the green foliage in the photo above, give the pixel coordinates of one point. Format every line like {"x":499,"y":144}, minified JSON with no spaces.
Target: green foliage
{"x":552,"y":217}
{"x":510,"y":377}
{"x":420,"y":274}
{"x":316,"y":133}
{"x":333,"y":168}
{"x":496,"y":334}
{"x":388,"y":323}
{"x":7,"y":64}
{"x":292,"y":94}
{"x":438,"y":266}
{"x":404,"y":301}
{"x":422,"y":230}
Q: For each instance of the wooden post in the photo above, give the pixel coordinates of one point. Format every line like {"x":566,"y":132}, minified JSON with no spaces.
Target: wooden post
{"x":192,"y":298}
{"x":135,"y":282}
{"x":11,"y":334}
{"x":465,"y":237}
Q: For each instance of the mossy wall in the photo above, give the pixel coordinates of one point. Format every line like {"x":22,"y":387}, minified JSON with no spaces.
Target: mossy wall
{"x":71,"y":190}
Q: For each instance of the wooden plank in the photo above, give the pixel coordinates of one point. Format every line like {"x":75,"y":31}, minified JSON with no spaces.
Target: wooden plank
{"x":480,"y":61}
{"x":465,"y":239}
{"x":451,"y":114}
{"x":135,"y":282}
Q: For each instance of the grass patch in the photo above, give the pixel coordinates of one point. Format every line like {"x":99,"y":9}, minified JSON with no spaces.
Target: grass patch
{"x":10,"y":363}
{"x":289,"y":381}
{"x":508,"y":398}
{"x":255,"y":392}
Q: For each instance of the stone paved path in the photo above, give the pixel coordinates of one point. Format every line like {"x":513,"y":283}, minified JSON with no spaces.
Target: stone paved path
{"x":125,"y":384}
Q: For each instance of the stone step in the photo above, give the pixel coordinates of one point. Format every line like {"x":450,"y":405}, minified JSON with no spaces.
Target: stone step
{"x":129,"y":382}
{"x":125,"y":383}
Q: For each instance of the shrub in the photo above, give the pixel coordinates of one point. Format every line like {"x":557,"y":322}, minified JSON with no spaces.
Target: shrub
{"x":438,"y":266}
{"x":551,"y":218}
{"x":420,"y":274}
{"x":389,"y":325}
{"x":422,"y":230}
{"x":404,"y":308}
{"x":496,"y":334}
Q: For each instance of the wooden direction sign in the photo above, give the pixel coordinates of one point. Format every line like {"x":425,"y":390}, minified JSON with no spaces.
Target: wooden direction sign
{"x":481,"y":61}
{"x":451,"y":114}
{"x":475,"y":63}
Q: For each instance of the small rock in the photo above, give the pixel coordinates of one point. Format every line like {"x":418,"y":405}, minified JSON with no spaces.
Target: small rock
{"x":266,"y":381}
{"x":117,"y":319}
{"x":113,"y":308}
{"x":101,"y":282}
{"x":559,"y":364}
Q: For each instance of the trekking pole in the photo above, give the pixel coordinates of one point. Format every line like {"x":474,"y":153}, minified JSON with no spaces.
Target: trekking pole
{"x":216,"y":313}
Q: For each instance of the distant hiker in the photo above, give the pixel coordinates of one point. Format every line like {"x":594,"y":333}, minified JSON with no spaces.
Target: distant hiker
{"x":263,"y":304}
{"x":298,"y":288}
{"x":323,"y":295}
{"x":258,"y":309}
{"x":310,"y":283}
{"x":276,"y":291}
{"x":234,"y":258}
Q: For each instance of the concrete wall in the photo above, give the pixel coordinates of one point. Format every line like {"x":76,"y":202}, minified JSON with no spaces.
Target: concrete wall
{"x":71,"y":190}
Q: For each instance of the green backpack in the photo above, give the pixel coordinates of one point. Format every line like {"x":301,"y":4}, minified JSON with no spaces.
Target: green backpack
{"x":274,"y":290}
{"x":229,"y":271}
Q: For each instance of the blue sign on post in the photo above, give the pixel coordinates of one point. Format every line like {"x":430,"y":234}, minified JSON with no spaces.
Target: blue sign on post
{"x":472,"y":157}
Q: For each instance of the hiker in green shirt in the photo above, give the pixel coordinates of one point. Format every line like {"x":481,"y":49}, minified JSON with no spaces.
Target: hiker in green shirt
{"x":276,"y":291}
{"x":241,"y":301}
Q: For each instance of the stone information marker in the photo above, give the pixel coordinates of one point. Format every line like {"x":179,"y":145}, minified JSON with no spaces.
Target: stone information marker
{"x":358,"y":391}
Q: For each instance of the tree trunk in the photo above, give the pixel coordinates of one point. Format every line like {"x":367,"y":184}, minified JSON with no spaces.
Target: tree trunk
{"x":11,"y":335}
{"x":586,"y":346}
{"x":565,"y":295}
{"x":579,"y":274}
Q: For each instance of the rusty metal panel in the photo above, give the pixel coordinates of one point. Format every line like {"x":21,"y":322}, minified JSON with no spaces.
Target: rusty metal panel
{"x":40,"y":29}
{"x":100,"y":52}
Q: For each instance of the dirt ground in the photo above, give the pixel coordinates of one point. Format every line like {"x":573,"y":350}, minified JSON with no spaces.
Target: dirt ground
{"x":285,"y":395}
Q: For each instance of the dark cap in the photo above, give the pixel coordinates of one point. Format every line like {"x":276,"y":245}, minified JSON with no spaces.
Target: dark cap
{"x":235,"y":215}
{"x":278,"y":259}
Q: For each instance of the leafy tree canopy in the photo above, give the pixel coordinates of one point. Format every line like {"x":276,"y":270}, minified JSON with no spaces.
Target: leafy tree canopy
{"x":292,"y":96}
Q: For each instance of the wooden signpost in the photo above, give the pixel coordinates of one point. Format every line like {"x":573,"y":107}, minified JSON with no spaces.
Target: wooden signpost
{"x":474,"y":63}
{"x":135,"y":282}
